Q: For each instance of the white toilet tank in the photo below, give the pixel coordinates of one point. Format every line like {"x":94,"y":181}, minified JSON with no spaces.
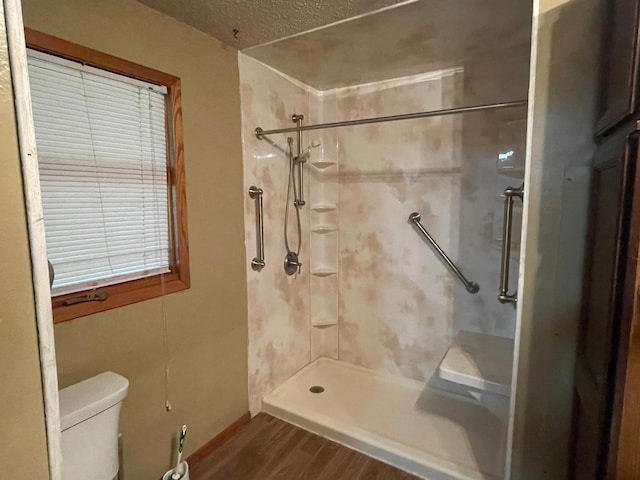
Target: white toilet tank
{"x":89,"y":414}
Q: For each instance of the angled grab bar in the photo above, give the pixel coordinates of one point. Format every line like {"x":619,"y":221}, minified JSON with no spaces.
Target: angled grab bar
{"x":509,"y":194}
{"x":258,"y":262}
{"x":471,"y":287}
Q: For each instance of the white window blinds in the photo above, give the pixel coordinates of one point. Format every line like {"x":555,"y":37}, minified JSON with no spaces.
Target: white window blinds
{"x":102,"y":155}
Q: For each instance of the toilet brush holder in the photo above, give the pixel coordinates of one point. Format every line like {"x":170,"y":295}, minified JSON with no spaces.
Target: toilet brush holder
{"x":182,"y":469}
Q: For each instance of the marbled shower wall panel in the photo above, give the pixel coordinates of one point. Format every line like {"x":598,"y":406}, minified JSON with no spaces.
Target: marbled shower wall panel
{"x":395,"y":298}
{"x":278,"y":305}
{"x":399,"y":306}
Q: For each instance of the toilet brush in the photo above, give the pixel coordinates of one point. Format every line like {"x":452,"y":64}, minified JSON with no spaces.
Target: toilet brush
{"x":176,"y":475}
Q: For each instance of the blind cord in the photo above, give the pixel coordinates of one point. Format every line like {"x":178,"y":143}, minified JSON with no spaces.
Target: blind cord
{"x":165,"y":342}
{"x":96,"y":171}
{"x":165,"y":335}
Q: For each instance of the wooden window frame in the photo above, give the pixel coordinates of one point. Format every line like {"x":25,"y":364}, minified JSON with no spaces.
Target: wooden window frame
{"x":178,"y":278}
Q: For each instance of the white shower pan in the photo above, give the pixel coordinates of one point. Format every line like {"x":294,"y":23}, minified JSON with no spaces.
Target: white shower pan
{"x":427,"y":432}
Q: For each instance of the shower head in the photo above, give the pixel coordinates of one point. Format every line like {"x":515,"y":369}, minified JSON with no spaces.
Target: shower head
{"x":307,"y":153}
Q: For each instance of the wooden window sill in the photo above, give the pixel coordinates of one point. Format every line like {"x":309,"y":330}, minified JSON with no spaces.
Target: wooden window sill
{"x":119,"y":295}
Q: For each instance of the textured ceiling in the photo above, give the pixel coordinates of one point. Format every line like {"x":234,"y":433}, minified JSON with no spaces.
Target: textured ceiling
{"x":261,"y":21}
{"x":412,"y":38}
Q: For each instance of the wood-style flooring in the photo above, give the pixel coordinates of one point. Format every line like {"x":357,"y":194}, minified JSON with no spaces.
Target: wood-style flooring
{"x":268,"y":449}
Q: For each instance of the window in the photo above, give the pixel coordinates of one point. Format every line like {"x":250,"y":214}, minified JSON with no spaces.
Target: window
{"x":110,"y":156}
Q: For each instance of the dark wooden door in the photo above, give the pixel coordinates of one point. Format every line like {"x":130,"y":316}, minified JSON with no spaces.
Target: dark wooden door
{"x":608,"y":237}
{"x":619,"y":92}
{"x":624,"y":435}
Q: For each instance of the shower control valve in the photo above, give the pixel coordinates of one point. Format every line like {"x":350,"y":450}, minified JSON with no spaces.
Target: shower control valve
{"x":291,"y":263}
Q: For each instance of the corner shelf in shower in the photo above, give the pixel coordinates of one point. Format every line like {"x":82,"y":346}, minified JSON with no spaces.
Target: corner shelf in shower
{"x":324,"y":207}
{"x":323,"y":319}
{"x":324,"y":229}
{"x":516,"y":173}
{"x":479,"y":361}
{"x":322,"y":164}
{"x":323,"y":271}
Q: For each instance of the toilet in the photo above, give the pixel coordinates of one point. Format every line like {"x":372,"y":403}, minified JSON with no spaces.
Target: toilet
{"x":89,"y":415}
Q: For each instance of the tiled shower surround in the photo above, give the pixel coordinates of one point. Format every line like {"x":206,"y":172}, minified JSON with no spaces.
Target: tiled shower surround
{"x":371,"y":292}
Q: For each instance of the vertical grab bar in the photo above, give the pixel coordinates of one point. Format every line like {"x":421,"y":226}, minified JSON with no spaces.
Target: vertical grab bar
{"x":509,"y":194}
{"x":258,"y":262}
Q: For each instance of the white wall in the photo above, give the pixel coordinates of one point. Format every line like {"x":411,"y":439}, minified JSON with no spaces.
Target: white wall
{"x":562,"y":98}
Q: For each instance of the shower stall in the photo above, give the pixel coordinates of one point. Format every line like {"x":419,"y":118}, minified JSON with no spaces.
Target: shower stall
{"x":392,"y":146}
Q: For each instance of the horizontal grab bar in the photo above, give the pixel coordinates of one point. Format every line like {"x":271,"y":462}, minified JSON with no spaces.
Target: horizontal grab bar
{"x":471,"y":287}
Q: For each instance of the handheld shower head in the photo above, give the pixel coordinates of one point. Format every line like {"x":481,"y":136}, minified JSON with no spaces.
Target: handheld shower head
{"x":315,"y":143}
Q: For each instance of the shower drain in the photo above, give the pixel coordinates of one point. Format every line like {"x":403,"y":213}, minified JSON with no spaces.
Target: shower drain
{"x":316,"y":389}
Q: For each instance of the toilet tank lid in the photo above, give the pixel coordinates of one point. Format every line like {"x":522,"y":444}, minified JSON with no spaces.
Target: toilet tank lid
{"x":88,"y":398}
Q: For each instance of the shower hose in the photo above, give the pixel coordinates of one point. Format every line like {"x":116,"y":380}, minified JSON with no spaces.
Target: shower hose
{"x":291,"y":183}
